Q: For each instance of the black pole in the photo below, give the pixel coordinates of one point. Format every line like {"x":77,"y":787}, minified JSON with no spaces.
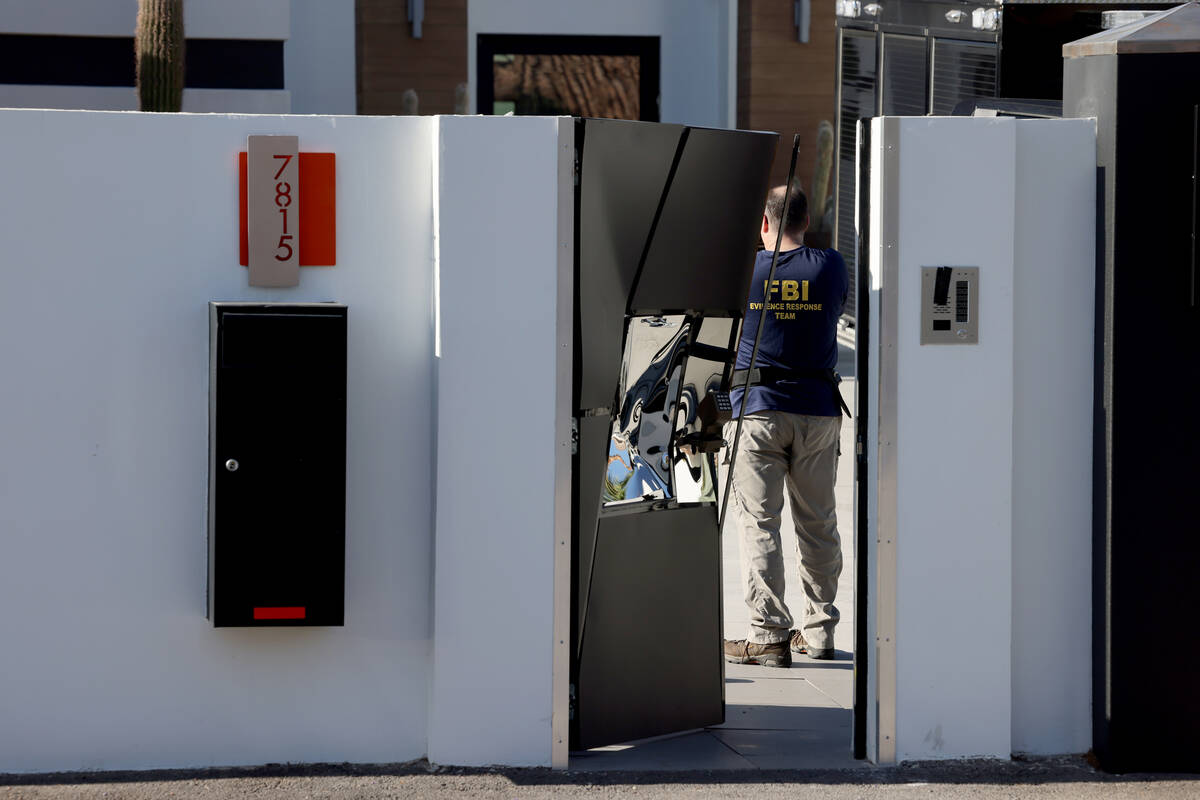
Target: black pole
{"x":862,"y":476}
{"x":762,"y":318}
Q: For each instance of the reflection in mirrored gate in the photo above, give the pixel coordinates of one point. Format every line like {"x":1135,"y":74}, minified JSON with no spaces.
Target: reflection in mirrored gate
{"x":667,"y":429}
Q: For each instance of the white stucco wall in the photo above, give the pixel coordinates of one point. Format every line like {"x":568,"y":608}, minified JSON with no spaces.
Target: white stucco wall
{"x":114,"y":244}
{"x":1054,"y":306}
{"x":503,"y":461}
{"x":318,"y":58}
{"x":698,"y":44}
{"x":124,"y":98}
{"x":954,"y":446}
{"x":989,"y":579}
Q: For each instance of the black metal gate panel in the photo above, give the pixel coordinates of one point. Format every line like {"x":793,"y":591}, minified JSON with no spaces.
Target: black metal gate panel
{"x":650,"y":662}
{"x":666,"y":225}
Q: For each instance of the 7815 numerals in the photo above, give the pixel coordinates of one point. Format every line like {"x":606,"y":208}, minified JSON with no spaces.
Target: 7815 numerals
{"x":283,"y":199}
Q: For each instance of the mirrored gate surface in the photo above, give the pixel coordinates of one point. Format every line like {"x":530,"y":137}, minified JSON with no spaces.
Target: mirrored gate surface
{"x":667,"y":428}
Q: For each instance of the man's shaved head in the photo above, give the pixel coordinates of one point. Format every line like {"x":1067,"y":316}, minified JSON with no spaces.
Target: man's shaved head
{"x":797,"y":213}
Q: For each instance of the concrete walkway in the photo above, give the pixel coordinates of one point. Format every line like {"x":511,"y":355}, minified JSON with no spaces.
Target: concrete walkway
{"x":797,"y":718}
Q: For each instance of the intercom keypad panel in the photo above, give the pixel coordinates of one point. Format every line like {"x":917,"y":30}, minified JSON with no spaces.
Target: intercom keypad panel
{"x":949,"y":305}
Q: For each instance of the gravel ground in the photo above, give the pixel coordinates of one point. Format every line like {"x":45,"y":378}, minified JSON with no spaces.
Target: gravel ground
{"x":985,"y":779}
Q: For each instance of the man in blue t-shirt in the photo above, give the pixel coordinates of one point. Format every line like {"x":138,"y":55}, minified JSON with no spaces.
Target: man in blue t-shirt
{"x":789,"y":439}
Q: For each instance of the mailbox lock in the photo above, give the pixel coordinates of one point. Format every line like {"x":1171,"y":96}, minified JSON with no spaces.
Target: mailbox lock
{"x":231,"y":465}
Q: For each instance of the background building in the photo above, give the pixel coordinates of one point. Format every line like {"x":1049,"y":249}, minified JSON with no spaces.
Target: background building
{"x":720,"y":63}
{"x":251,"y":56}
{"x":716,"y":63}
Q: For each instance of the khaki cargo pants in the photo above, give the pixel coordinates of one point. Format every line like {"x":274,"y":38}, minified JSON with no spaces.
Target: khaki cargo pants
{"x":799,"y":453}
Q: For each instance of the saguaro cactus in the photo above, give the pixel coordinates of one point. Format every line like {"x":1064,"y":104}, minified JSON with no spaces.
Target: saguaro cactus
{"x":408,"y":102}
{"x":159,"y":49}
{"x":822,"y":171}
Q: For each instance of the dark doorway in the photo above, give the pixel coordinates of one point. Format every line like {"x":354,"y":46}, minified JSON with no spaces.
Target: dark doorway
{"x":610,"y":77}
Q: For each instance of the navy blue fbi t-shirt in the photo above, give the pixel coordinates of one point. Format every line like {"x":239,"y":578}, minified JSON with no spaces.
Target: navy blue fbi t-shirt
{"x":806,"y":299}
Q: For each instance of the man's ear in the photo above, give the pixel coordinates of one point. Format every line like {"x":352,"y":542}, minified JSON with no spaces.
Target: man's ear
{"x":766,"y":226}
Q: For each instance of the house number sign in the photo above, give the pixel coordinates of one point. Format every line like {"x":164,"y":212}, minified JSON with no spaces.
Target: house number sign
{"x":273,"y":209}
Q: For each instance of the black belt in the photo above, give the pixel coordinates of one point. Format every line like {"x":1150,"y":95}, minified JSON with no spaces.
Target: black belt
{"x":761,"y":375}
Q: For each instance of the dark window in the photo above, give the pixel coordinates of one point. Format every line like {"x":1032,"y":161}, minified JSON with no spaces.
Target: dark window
{"x":109,"y":61}
{"x":904,"y":76}
{"x":962,"y":71}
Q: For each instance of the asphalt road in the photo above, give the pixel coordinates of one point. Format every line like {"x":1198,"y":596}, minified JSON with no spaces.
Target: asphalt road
{"x":1068,"y":777}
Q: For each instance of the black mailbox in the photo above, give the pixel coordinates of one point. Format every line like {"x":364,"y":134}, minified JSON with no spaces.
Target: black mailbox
{"x":277,"y":464}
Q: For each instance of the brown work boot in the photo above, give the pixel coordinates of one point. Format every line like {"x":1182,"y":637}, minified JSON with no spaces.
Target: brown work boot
{"x":744,"y":651}
{"x":801,"y":646}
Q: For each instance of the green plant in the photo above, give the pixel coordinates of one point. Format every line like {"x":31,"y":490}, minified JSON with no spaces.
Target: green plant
{"x":614,"y":491}
{"x":159,"y":51}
